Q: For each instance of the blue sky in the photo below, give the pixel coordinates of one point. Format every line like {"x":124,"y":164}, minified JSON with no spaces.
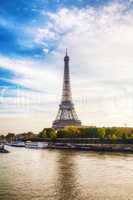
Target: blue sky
{"x":18,"y":16}
{"x":33,"y":38}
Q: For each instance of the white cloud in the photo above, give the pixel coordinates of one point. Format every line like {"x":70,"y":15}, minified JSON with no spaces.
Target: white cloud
{"x":32,"y":74}
{"x":44,"y":33}
{"x":45,"y":50}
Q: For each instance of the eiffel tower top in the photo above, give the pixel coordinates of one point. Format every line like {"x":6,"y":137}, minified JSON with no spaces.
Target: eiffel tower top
{"x":66,"y":58}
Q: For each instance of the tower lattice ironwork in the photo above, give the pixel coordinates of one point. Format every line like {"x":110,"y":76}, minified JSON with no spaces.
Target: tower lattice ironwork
{"x":66,"y":114}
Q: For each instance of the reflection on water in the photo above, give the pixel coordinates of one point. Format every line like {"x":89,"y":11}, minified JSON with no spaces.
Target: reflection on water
{"x":67,"y":186}
{"x":27,"y":174}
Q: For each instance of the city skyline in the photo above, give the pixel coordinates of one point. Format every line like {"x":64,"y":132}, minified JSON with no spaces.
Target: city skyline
{"x":33,"y":38}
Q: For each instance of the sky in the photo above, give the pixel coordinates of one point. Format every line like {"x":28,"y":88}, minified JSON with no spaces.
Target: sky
{"x":33,"y":37}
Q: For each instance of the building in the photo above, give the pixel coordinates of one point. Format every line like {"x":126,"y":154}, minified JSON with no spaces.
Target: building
{"x":66,"y":114}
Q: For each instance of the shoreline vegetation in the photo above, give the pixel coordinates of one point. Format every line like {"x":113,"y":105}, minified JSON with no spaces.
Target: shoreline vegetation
{"x":114,"y":139}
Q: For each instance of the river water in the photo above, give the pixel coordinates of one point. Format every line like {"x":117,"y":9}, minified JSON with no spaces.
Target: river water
{"x":27,"y":174}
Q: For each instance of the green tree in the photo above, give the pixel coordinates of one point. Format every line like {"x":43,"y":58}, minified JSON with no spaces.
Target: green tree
{"x":53,"y":136}
{"x":30,"y":136}
{"x":2,"y":137}
{"x":10,"y":137}
{"x":125,"y":137}
{"x":88,"y":132}
{"x":70,"y":131}
{"x":112,"y":133}
{"x":46,"y":133}
{"x":101,"y":133}
{"x":42,"y":135}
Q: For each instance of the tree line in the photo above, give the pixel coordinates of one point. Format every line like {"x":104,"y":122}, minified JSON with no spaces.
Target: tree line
{"x":112,"y":134}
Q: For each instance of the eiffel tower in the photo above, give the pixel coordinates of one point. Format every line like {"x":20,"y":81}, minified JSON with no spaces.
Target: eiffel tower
{"x":66,"y":114}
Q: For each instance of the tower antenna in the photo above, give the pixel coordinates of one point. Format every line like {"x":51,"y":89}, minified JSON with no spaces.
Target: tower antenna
{"x":66,"y":51}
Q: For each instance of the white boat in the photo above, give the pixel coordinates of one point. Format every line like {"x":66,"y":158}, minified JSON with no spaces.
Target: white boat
{"x":17,"y":144}
{"x":36,"y":145}
{"x":1,"y":146}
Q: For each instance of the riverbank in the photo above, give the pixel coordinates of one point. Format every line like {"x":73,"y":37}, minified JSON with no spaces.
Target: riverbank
{"x":76,"y":146}
{"x":93,"y":147}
